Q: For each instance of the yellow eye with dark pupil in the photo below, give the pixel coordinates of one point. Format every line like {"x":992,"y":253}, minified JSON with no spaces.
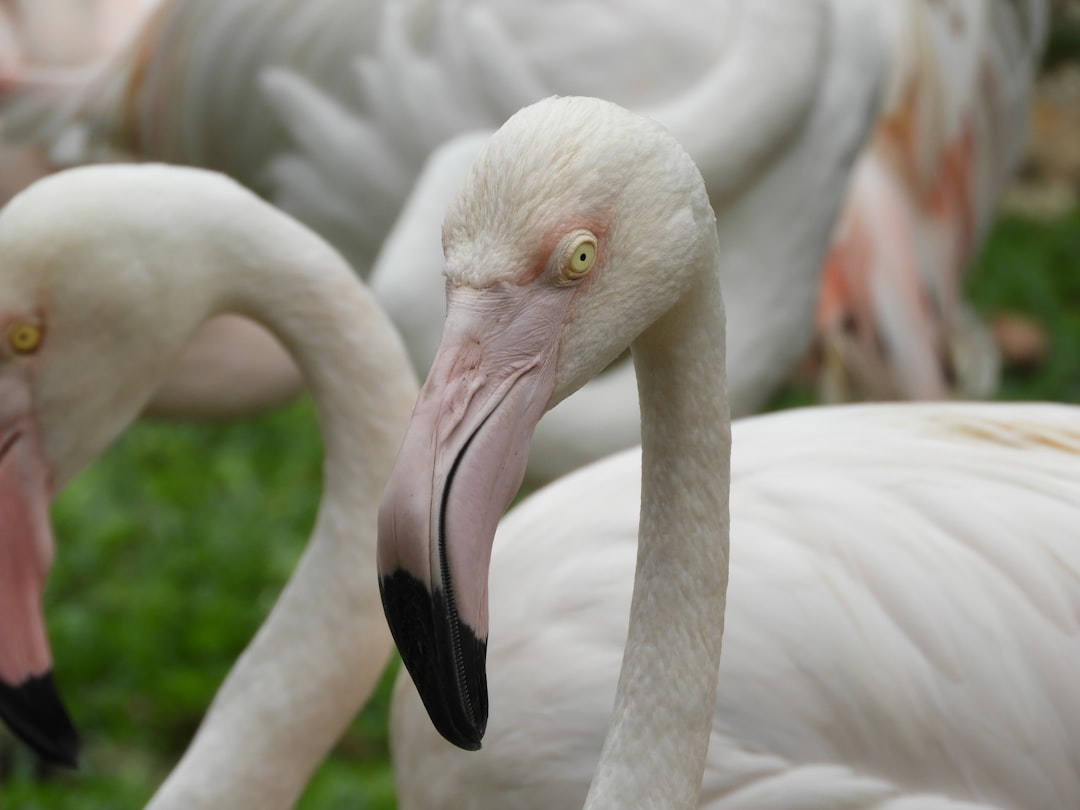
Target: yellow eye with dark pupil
{"x":582,"y":254}
{"x":24,"y":337}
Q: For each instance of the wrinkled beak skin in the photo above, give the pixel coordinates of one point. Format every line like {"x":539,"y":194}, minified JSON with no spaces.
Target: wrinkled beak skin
{"x":460,"y":465}
{"x":29,"y":703}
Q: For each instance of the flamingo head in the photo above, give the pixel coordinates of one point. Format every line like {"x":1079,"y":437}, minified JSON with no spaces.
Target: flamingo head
{"x":85,"y":333}
{"x":573,"y":232}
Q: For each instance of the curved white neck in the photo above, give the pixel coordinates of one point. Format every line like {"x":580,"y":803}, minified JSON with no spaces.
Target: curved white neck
{"x":654,"y":753}
{"x":319,"y":654}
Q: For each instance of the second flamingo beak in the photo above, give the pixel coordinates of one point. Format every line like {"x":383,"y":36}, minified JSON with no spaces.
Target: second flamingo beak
{"x":29,"y":702}
{"x":460,"y":465}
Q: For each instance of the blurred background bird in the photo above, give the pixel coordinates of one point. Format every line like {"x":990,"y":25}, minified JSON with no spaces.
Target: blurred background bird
{"x":331,"y":110}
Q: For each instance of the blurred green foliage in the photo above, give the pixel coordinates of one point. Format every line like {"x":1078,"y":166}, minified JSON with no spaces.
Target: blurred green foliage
{"x":172,"y":548}
{"x":1063,"y":41}
{"x":1034,"y":268}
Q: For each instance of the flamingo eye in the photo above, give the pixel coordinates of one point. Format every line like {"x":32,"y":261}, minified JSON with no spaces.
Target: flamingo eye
{"x":24,"y":338}
{"x":579,"y":257}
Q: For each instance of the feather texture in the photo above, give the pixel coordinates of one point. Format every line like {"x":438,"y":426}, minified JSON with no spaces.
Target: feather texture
{"x":902,"y":626}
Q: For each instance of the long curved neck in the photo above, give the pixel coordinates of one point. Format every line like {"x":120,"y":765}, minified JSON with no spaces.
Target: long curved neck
{"x":317,"y":657}
{"x":654,"y":754}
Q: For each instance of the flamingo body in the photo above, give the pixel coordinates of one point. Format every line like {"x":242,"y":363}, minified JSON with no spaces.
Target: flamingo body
{"x":902,"y":620}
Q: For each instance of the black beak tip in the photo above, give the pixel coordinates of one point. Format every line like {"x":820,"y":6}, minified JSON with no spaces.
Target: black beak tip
{"x":443,"y":656}
{"x":36,"y":715}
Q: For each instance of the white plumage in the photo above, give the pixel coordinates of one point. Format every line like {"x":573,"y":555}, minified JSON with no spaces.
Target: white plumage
{"x":903,"y":620}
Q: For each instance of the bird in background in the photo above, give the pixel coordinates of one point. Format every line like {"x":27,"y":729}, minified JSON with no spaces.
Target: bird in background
{"x":904,"y":165}
{"x":891,"y":320}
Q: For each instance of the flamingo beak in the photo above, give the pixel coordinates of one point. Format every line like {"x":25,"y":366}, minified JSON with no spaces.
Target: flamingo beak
{"x":459,"y":467}
{"x":29,"y":702}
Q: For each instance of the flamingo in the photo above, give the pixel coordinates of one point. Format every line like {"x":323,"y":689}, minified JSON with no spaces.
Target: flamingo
{"x":339,"y":141}
{"x":899,"y":665}
{"x":106,"y":272}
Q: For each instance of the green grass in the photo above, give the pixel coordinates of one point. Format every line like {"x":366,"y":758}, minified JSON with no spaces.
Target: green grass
{"x":172,"y":548}
{"x":1034,"y":268}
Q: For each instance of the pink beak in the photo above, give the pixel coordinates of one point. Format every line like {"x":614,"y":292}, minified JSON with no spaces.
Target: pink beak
{"x":460,"y":465}
{"x":29,"y":702}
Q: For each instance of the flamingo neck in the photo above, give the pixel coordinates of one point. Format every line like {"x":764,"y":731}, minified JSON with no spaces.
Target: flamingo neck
{"x":319,"y":654}
{"x":654,"y":753}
